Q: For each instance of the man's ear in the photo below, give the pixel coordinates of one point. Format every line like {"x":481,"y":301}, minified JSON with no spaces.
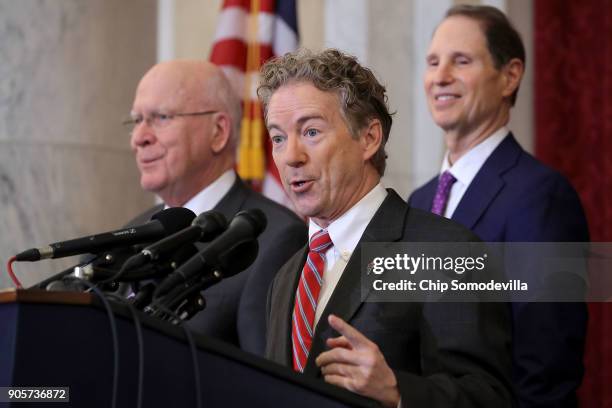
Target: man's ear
{"x":513,"y":73}
{"x":371,"y":138}
{"x":221,"y":132}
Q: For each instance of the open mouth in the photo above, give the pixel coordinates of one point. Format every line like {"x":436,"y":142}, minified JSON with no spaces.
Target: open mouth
{"x":446,"y":97}
{"x":300,"y":186}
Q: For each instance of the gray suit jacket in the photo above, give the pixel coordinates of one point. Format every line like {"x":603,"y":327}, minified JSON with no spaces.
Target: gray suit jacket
{"x":443,"y":354}
{"x":235,"y":307}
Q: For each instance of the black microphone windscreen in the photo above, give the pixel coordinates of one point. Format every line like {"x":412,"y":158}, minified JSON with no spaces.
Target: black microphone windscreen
{"x":212,"y":223}
{"x":257,"y":218}
{"x":174,"y":219}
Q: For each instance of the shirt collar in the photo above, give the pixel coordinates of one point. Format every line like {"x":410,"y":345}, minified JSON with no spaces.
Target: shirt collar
{"x":210,"y":196}
{"x":467,"y":166}
{"x":346,"y":231}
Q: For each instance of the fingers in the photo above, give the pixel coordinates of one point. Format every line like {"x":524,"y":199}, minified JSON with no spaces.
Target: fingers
{"x":338,"y":342}
{"x":352,"y":335}
{"x":340,"y":381}
{"x":336,"y":355}
{"x":337,"y":369}
{"x":357,"y":364}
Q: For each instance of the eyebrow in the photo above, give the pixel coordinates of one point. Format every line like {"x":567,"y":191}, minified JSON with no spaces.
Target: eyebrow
{"x":300,"y":122}
{"x":454,"y":54}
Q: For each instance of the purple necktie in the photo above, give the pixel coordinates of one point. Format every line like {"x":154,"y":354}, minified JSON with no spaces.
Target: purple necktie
{"x":445,"y":183}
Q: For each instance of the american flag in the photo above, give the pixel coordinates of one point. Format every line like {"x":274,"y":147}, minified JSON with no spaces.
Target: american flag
{"x":250,"y":32}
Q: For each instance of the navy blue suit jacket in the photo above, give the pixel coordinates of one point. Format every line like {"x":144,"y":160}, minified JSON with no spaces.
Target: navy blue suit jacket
{"x":516,"y":198}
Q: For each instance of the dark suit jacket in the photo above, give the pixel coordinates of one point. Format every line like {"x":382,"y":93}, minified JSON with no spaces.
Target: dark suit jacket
{"x":516,"y":198}
{"x":235,"y":307}
{"x":443,"y":354}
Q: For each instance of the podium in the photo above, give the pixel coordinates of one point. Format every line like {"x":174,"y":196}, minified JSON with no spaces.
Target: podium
{"x":64,"y":339}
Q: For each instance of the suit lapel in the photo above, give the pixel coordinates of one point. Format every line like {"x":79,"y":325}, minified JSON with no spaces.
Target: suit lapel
{"x":285,"y":285}
{"x":233,"y":201}
{"x":424,"y":196}
{"x":488,"y":183}
{"x":385,"y":226}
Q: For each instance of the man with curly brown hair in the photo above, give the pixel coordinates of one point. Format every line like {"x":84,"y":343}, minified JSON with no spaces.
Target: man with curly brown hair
{"x":328,"y":122}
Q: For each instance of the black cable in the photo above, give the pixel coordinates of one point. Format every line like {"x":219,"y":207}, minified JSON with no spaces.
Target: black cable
{"x":139,"y":338}
{"x":192,"y":348}
{"x":115,"y":338}
{"x":196,"y":366}
{"x":124,"y":268}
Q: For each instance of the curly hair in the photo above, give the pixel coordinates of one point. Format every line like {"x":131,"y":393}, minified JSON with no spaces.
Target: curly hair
{"x":362,"y":98}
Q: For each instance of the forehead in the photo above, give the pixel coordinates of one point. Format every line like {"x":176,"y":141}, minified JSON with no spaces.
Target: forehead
{"x":293,"y":101}
{"x":458,"y":34}
{"x":164,"y":89}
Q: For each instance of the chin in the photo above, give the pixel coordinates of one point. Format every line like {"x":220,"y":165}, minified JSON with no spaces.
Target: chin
{"x":306,"y":210}
{"x":152,"y":186}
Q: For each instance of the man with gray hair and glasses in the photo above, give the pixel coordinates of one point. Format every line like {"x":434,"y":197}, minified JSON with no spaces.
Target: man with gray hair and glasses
{"x":328,"y":122}
{"x":185,"y":125}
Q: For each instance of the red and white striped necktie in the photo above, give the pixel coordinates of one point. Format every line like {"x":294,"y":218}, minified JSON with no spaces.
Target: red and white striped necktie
{"x":306,"y":298}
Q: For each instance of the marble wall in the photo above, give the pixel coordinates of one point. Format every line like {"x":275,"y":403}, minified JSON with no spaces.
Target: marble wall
{"x":68,"y":71}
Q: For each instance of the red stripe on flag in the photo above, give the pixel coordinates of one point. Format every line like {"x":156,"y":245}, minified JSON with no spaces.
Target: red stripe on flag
{"x":268,"y":6}
{"x":265,"y":53}
{"x":245,"y":4}
{"x":234,"y":52}
{"x":230,"y":52}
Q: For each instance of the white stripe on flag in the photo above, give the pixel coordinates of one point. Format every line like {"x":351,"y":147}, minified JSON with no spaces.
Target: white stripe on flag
{"x":232,"y":24}
{"x":265,"y":26}
{"x":285,"y":39}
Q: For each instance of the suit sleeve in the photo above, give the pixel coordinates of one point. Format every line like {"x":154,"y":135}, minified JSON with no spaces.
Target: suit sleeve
{"x":549,"y":338}
{"x":465,"y":358}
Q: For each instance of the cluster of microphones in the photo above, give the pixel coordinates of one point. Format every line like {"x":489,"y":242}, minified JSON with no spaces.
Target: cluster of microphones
{"x":162,"y":266}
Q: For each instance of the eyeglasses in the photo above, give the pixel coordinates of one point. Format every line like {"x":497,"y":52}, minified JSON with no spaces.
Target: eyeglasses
{"x":160,"y":120}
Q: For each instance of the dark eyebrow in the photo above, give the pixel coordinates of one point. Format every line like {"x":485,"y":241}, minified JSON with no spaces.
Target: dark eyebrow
{"x":299,"y":123}
{"x":461,"y":54}
{"x":454,"y":54}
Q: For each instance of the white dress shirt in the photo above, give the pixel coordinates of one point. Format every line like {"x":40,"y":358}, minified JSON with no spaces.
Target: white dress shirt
{"x":210,"y":196}
{"x":465,"y":169}
{"x":345,"y":233}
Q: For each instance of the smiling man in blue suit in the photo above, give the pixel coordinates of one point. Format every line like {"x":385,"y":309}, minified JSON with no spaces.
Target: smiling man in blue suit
{"x":489,"y":184}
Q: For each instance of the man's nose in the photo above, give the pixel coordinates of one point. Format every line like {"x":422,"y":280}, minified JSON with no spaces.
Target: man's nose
{"x":443,"y":74}
{"x":142,"y":134}
{"x":295,"y":155}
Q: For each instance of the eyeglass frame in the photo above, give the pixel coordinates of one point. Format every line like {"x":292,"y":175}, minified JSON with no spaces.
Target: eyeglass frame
{"x":151,"y":118}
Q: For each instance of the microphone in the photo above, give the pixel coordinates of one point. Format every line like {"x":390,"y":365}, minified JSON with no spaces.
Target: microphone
{"x":245,"y":226}
{"x":163,"y":223}
{"x":204,"y":227}
{"x":235,"y":260}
